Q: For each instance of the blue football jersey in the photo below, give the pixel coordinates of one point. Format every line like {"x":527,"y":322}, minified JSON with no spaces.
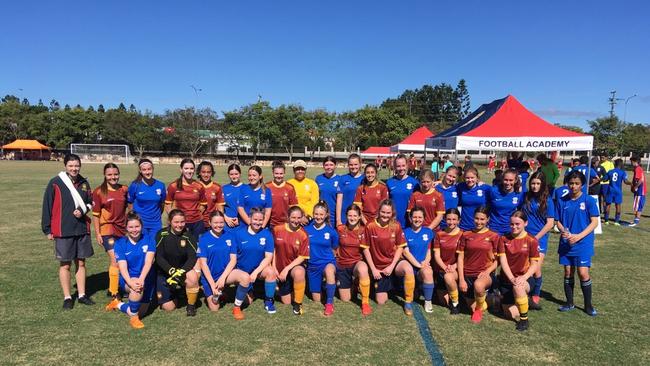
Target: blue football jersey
{"x":400,"y":191}
{"x":217,"y":250}
{"x":250,"y":198}
{"x":616,"y":178}
{"x":134,"y":253}
{"x":328,"y":188}
{"x":251,"y":248}
{"x":502,"y":205}
{"x":147,"y":201}
{"x":575,"y":215}
{"x":419,"y":243}
{"x":231,"y":198}
{"x":322,"y":242}
{"x":470,"y":199}
{"x":348,"y":188}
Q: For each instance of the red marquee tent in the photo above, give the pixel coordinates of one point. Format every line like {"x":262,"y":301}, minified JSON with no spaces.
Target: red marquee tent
{"x":413,"y":142}
{"x":374,"y":151}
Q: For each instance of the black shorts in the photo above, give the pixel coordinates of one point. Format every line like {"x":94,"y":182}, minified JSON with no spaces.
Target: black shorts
{"x":70,"y":248}
{"x":385,"y":284}
{"x":470,"y":285}
{"x":109,"y":242}
{"x":440,"y":281}
{"x":286,"y":287}
{"x":507,"y":293}
{"x":345,"y":277}
{"x":166,"y":292}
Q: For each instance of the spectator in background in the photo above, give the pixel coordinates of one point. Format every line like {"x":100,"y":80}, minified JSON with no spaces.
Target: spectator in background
{"x":550,"y":170}
{"x":447,"y":163}
{"x":514,"y":160}
{"x":468,"y":162}
{"x":492,"y":163}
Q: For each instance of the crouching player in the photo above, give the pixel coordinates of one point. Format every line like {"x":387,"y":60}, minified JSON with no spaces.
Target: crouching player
{"x":217,"y":255}
{"x":175,"y":260}
{"x":476,"y":262}
{"x":323,"y":240}
{"x":418,"y":253}
{"x":255,"y":253}
{"x":519,"y":257}
{"x":383,"y":248}
{"x":577,"y":217}
{"x":445,"y":245}
{"x":134,"y":254}
{"x":349,"y":260}
{"x":291,"y":251}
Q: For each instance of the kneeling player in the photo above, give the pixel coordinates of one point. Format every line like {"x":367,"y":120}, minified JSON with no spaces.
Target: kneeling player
{"x":323,"y":240}
{"x":519,"y":257}
{"x":383,"y":248}
{"x":476,"y":262}
{"x":175,"y":259}
{"x":255,"y":253}
{"x":217,"y":255}
{"x":291,"y":250}
{"x":444,"y":252}
{"x":418,"y":253}
{"x":134,"y":254}
{"x":349,"y":261}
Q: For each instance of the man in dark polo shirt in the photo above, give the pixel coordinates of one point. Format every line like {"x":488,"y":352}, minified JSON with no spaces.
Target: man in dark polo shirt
{"x":66,"y":205}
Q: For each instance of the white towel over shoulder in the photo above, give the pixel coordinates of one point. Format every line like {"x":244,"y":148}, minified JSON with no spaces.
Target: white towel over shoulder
{"x":78,"y":201}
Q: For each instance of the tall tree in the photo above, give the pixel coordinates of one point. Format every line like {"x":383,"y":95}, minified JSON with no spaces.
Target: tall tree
{"x":607,"y":133}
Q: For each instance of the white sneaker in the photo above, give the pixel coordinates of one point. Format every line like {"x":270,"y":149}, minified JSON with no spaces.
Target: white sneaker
{"x":428,"y":307}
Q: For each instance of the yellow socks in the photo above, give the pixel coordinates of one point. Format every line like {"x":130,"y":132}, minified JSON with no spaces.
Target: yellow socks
{"x":453,"y":296}
{"x":409,"y":287}
{"x":192,"y":295}
{"x":113,"y":279}
{"x":480,"y":302}
{"x":298,"y":292}
{"x":522,"y":306}
{"x":364,"y":285}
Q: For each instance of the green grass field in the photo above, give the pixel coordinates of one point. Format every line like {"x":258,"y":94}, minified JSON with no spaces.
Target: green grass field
{"x":34,"y":329}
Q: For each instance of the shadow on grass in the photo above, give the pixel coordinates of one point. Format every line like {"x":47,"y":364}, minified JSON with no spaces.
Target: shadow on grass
{"x":550,"y":297}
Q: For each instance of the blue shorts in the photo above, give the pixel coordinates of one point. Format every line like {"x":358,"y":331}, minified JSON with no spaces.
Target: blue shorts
{"x":543,"y":244}
{"x":639,"y":203}
{"x":470,"y":285}
{"x":614,"y":197}
{"x":575,"y":260}
{"x":385,"y":284}
{"x":149,"y":287}
{"x":207,"y":290}
{"x":152,"y":230}
{"x":315,"y":276}
{"x":108,"y":242}
{"x":345,"y":277}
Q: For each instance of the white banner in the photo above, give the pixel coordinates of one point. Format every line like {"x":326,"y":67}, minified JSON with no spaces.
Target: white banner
{"x":526,"y":143}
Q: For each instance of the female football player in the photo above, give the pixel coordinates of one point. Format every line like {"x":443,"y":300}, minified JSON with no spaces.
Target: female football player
{"x":323,"y":241}
{"x":231,"y":196}
{"x":504,"y":200}
{"x":348,"y":184}
{"x":418,"y":253}
{"x":445,"y":246}
{"x":188,"y":195}
{"x":254,"y":195}
{"x":147,"y":198}
{"x":471,"y":195}
{"x":429,"y":199}
{"x":329,"y":186}
{"x":369,"y":194}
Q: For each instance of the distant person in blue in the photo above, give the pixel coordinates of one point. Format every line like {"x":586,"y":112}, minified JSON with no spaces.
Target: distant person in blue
{"x":323,"y":240}
{"x":504,"y":201}
{"x":418,"y":254}
{"x":577,"y":217}
{"x":471,"y":195}
{"x":147,"y":198}
{"x":348,"y":185}
{"x":231,"y":197}
{"x":254,"y":195}
{"x":540,"y":210}
{"x":217,"y":255}
{"x":616,"y":178}
{"x":400,"y":188}
{"x":585,"y":169}
{"x":523,"y":176}
{"x":255,"y":248}
{"x":135,"y":254}
{"x":329,"y":186}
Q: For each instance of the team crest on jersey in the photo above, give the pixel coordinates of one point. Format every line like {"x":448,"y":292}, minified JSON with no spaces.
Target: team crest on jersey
{"x":195,"y":191}
{"x":228,"y":242}
{"x":262,"y":196}
{"x":327,"y":236}
{"x":336,"y":183}
{"x":297,"y":243}
{"x":582,"y":206}
{"x":306,"y":187}
{"x":454,"y":194}
{"x":515,"y":200}
{"x":111,"y":241}
{"x":84,"y":187}
{"x":183,"y":243}
{"x":144,"y":248}
{"x":425,"y":237}
{"x":409,"y":186}
{"x":262,"y":241}
{"x":158,"y":191}
{"x":479,"y":193}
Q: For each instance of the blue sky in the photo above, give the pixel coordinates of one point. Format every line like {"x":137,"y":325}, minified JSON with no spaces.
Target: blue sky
{"x":560,"y":58}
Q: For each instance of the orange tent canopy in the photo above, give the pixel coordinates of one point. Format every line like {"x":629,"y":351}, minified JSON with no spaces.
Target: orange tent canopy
{"x":25,"y":145}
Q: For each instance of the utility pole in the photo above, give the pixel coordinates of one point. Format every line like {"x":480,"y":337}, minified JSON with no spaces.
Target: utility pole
{"x":612,"y":103}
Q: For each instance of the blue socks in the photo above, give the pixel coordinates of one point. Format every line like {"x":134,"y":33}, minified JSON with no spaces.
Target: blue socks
{"x":329,"y":293}
{"x":269,"y":290}
{"x":427,"y":289}
{"x":606,"y":216}
{"x":240,"y":295}
{"x":130,"y":307}
{"x":537,"y":289}
{"x":617,"y":217}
